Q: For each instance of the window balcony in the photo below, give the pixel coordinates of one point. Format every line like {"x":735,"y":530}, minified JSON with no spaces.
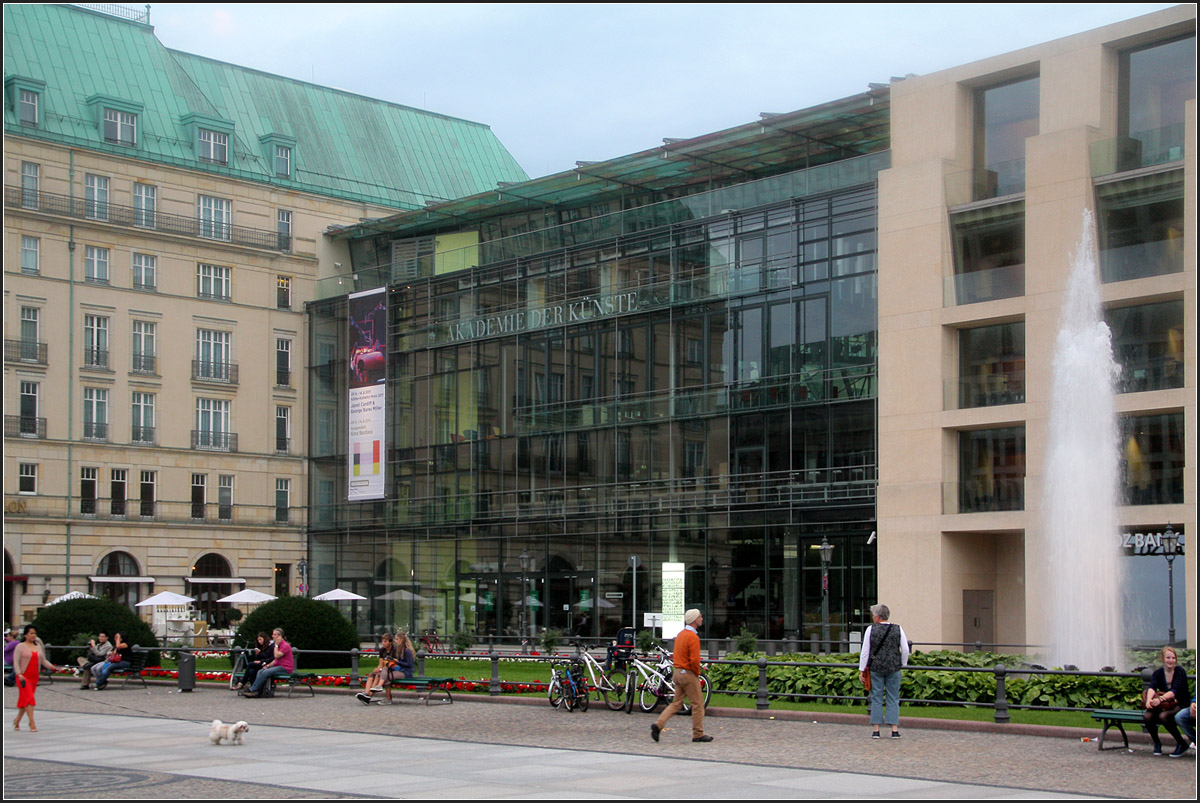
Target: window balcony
{"x":283,"y":378}
{"x":282,"y":444}
{"x":214,"y":441}
{"x":1139,"y":149}
{"x":21,"y":426}
{"x":95,"y":431}
{"x":26,"y":351}
{"x":142,"y":435}
{"x":95,"y":358}
{"x":206,"y":371}
{"x":144,"y":363}
{"x":141,"y":218}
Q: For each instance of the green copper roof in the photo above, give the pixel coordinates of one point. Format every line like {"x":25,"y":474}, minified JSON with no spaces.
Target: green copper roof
{"x":343,"y":145}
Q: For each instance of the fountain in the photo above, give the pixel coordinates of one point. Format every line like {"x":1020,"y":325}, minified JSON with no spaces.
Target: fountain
{"x":1081,"y":491}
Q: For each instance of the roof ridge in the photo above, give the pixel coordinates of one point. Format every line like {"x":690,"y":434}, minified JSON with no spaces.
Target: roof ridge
{"x":244,"y":68}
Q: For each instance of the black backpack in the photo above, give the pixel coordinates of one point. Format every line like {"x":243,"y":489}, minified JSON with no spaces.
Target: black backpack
{"x":885,"y":649}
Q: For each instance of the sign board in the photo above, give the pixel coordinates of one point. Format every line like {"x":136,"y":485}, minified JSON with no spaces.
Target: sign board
{"x":672,"y":599}
{"x":367,"y":321}
{"x":652,"y":620}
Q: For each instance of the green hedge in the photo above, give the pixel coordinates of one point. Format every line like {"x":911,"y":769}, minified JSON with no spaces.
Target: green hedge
{"x":61,"y":624}
{"x":307,"y":625}
{"x":958,"y":687}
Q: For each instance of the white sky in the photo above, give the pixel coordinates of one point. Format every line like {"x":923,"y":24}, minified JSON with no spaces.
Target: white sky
{"x":560,"y":83}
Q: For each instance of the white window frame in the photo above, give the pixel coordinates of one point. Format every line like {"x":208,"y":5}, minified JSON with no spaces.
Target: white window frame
{"x":283,"y":157}
{"x":27,"y":471}
{"x":89,"y":474}
{"x":95,"y":189}
{"x":31,"y":255}
{"x":145,"y":347}
{"x":283,"y":486}
{"x":225,"y":497}
{"x":31,"y":182}
{"x":142,"y":407}
{"x":283,"y":346}
{"x":120,"y":128}
{"x":115,"y":476}
{"x":214,"y":282}
{"x":145,"y":205}
{"x":200,"y":481}
{"x":212,"y":146}
{"x":95,"y":414}
{"x":283,"y":229}
{"x":95,"y":341}
{"x":147,"y":479}
{"x":145,"y":271}
{"x":95,"y":264}
{"x":215,"y":217}
{"x":283,"y":420}
{"x":212,"y":423}
{"x":214,"y":354}
{"x":27,"y":100}
{"x":283,"y":292}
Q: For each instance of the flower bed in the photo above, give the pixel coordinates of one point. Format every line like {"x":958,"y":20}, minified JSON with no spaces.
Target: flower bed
{"x":461,"y":684}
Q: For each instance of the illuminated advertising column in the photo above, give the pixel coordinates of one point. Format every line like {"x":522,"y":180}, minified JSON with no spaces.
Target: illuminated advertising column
{"x":672,"y":599}
{"x":368,"y":388}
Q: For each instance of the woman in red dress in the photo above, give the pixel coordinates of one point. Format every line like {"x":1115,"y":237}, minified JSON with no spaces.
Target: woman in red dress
{"x":27,"y":661}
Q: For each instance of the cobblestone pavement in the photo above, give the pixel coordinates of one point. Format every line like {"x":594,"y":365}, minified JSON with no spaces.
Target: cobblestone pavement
{"x":923,"y":763}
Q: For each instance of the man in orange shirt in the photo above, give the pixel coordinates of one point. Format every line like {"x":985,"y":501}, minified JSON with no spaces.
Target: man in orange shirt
{"x":687,"y":678}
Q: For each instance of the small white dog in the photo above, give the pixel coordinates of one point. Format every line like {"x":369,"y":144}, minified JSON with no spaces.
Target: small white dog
{"x":221,"y":731}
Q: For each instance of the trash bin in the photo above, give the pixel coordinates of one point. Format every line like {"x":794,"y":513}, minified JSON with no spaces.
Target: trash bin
{"x":187,"y":670}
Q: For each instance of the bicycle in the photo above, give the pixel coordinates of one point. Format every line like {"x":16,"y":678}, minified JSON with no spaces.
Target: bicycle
{"x":429,"y":641}
{"x":655,"y":685}
{"x":239,"y":670}
{"x":567,"y":688}
{"x":610,"y":683}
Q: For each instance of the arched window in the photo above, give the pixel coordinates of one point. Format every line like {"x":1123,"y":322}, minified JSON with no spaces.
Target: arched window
{"x":117,"y":578}
{"x":208,"y":570}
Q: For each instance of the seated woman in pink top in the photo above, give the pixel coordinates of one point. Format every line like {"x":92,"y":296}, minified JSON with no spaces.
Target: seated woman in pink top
{"x":282,"y":664}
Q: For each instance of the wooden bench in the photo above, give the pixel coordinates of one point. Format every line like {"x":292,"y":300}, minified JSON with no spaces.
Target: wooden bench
{"x":1117,"y":717}
{"x":430,"y":685}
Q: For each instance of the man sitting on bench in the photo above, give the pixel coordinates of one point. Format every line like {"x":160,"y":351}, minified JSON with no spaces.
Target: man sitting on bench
{"x":281,"y":664}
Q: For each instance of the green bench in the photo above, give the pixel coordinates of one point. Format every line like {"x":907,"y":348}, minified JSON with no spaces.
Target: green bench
{"x":294,"y":681}
{"x":1117,"y":717}
{"x":429,"y":685}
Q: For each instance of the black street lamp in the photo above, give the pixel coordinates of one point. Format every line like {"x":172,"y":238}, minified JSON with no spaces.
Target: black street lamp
{"x":1170,"y":547}
{"x":524,"y":558}
{"x":826,"y":553}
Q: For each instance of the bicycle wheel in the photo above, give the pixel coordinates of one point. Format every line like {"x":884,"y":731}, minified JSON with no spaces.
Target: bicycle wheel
{"x":581,"y":699}
{"x":239,"y":671}
{"x":649,"y":699}
{"x":630,"y":691}
{"x":614,"y":697}
{"x":554,"y":692}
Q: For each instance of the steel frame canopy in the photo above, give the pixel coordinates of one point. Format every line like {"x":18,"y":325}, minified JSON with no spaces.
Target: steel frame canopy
{"x":776,"y":143}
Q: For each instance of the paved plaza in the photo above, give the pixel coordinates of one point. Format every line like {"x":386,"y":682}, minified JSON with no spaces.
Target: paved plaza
{"x":153,"y":744}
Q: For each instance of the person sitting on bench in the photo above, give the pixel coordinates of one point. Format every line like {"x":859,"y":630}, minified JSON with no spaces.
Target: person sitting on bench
{"x":396,"y":661}
{"x":121,"y":657}
{"x":282,"y":664}
{"x":1167,"y":693}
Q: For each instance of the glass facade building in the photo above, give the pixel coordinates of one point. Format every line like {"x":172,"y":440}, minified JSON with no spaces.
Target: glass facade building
{"x":570,"y":406}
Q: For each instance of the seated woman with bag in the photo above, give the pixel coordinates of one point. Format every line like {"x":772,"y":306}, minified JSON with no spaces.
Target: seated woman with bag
{"x":1167,"y":693}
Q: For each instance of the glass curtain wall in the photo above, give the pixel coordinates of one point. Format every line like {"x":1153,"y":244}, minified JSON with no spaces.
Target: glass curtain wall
{"x":560,"y":426}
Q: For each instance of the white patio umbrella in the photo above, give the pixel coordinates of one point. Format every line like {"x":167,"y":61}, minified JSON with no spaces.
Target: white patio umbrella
{"x":337,"y":595}
{"x":248,"y":596}
{"x":594,"y":603}
{"x":402,"y":594}
{"x":165,"y":598}
{"x":70,"y":595}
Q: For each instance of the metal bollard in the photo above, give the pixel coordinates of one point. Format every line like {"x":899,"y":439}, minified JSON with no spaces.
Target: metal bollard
{"x":421,"y":663}
{"x":494,"y":683}
{"x":354,"y":667}
{"x":1001,"y":696}
{"x":762,"y":702}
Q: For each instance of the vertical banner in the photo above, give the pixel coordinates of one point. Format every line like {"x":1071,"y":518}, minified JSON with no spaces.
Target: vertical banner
{"x":672,"y":599}
{"x":367,"y":418}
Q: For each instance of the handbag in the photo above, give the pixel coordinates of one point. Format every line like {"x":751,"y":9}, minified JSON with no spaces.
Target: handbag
{"x":865,"y":677}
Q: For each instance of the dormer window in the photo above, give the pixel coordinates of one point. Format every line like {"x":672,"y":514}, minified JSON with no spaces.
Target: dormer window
{"x":28,"y":106}
{"x":283,"y":161}
{"x":213,"y":146}
{"x":120,"y":127}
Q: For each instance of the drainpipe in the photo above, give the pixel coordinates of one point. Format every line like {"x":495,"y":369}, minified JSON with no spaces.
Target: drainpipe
{"x":70,"y":366}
